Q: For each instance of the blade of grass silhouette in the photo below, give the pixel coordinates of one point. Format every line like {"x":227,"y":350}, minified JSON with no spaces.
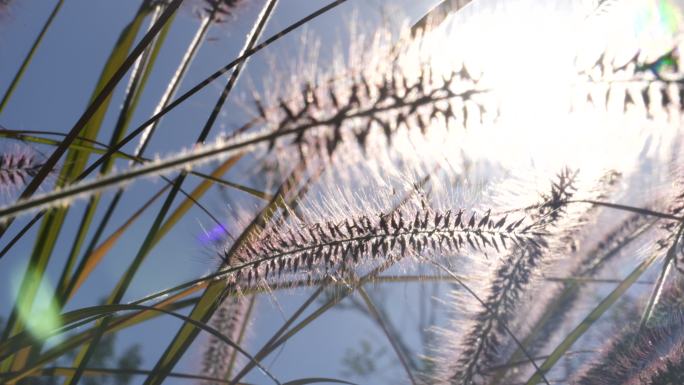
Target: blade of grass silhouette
{"x":57,"y":371}
{"x":616,"y":206}
{"x":27,"y":60}
{"x":572,"y":287}
{"x":92,"y":259}
{"x":657,"y":290}
{"x":637,"y":210}
{"x":96,"y":103}
{"x":503,"y":324}
{"x":212,"y":78}
{"x":51,"y":226}
{"x":154,"y":232}
{"x":589,"y":320}
{"x":108,"y":310}
{"x":251,"y":191}
{"x":133,"y":90}
{"x":241,"y":337}
{"x":51,"y":142}
{"x":538,"y":358}
{"x":316,"y":380}
{"x":401,"y":354}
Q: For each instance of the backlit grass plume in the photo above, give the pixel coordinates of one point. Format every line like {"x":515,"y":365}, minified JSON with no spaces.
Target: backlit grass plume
{"x":481,"y":345}
{"x":337,"y":247}
{"x":231,"y":320}
{"x":18,"y":164}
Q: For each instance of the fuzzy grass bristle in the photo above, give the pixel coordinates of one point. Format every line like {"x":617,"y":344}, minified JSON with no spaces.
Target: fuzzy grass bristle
{"x":342,"y":246}
{"x":383,"y":104}
{"x":229,"y":319}
{"x":17,"y":167}
{"x":481,"y":345}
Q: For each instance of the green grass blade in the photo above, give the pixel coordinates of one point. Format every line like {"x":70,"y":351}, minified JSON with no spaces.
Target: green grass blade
{"x":52,"y":223}
{"x":27,"y":60}
{"x":391,"y":337}
{"x":94,"y":108}
{"x":317,"y":380}
{"x":589,"y":320}
{"x":133,"y":91}
{"x":108,"y":310}
{"x":57,"y":371}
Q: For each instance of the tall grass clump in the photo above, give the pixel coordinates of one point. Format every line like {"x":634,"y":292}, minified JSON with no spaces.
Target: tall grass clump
{"x":451,"y":197}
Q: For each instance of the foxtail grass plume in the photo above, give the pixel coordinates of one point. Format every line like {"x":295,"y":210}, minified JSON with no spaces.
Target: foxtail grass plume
{"x":481,"y":345}
{"x":18,"y":164}
{"x":339,"y":247}
{"x":230,"y":319}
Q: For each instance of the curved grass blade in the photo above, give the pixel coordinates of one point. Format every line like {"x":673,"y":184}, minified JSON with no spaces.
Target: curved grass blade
{"x":317,"y":380}
{"x":56,"y":371}
{"x":108,"y":310}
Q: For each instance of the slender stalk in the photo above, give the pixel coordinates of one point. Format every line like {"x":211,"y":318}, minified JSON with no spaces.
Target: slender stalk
{"x":27,"y":60}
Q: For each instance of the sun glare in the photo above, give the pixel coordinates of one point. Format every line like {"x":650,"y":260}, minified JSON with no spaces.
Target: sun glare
{"x":559,"y":80}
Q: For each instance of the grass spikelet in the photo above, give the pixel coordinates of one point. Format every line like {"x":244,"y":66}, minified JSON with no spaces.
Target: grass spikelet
{"x":480,"y":347}
{"x":335,"y":248}
{"x":229,"y":319}
{"x":18,"y":165}
{"x":382,"y":88}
